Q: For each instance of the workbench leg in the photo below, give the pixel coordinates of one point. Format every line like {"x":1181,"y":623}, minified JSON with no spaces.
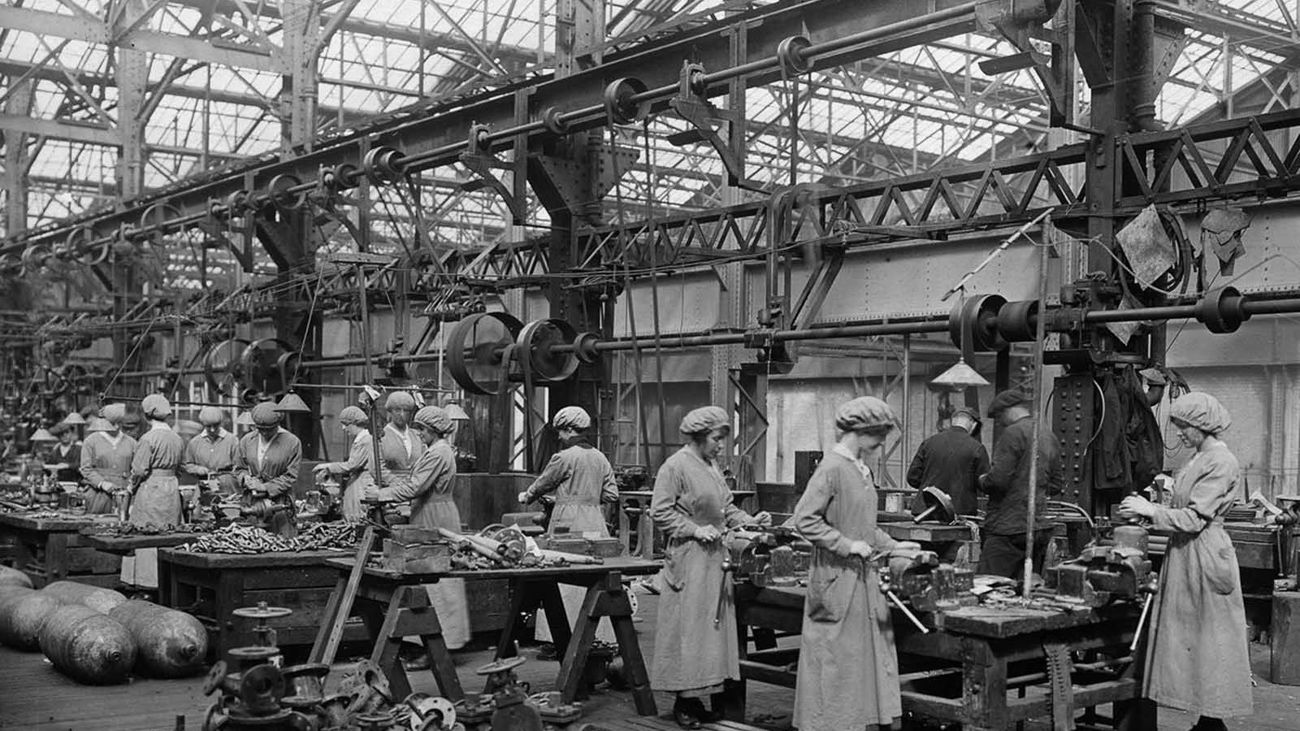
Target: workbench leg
{"x":556,"y":617}
{"x":523,"y":600}
{"x":572,"y":674}
{"x":984,"y":696}
{"x":56,"y":557}
{"x":638,"y":678}
{"x":381,"y":625}
{"x":228,"y":595}
{"x":328,"y":619}
{"x":1135,"y":715}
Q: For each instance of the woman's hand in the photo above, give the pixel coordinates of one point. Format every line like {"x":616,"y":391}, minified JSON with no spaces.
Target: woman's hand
{"x":707,"y":533}
{"x":763,"y":518}
{"x":861,"y":549}
{"x":372,"y":492}
{"x":523,"y":498}
{"x":1136,"y":506}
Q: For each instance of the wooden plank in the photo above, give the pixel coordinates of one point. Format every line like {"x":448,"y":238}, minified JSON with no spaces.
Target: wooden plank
{"x":764,"y":673}
{"x":126,"y":544}
{"x":245,"y":561}
{"x":926,"y":532}
{"x":349,"y":594}
{"x":578,"y":573}
{"x":1284,"y":667}
{"x":63,"y":523}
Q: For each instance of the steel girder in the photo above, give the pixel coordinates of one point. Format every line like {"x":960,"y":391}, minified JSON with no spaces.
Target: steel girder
{"x":445,"y":126}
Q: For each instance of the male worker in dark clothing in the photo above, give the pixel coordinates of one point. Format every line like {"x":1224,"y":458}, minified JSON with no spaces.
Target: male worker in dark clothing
{"x":1007,"y":484}
{"x":952,"y":461}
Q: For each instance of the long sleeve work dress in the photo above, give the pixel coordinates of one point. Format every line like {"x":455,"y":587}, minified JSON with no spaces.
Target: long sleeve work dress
{"x":429,"y":488}
{"x":208,"y":457}
{"x":157,"y":458}
{"x":357,"y":474}
{"x":692,"y":654}
{"x":401,"y":451}
{"x":276,"y":473}
{"x":106,"y":465}
{"x":581,"y":478}
{"x":1198,"y":659}
{"x":848,"y":668}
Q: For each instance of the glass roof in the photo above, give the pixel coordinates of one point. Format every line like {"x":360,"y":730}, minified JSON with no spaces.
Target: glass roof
{"x":905,"y":112}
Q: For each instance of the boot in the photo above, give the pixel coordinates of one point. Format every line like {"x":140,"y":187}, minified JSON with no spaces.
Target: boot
{"x":1208,"y":723}
{"x":718,"y":704}
{"x":686,"y":712}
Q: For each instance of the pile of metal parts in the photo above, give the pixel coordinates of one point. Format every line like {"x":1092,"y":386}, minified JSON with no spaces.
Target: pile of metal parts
{"x":500,"y":547}
{"x":246,"y":539}
{"x":147,"y":529}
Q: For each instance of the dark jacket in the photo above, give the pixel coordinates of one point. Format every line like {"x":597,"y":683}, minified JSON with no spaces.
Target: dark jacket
{"x":1007,"y":481}
{"x":952,"y":461}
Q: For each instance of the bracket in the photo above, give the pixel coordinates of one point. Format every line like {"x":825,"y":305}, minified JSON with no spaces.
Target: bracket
{"x":580,"y":181}
{"x":695,"y":109}
{"x":480,"y":162}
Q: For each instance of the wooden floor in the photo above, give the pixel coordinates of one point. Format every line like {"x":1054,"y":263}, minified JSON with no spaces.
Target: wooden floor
{"x":34,"y":696}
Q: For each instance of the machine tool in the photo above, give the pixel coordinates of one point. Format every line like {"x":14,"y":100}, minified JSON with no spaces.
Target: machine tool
{"x":1102,"y":574}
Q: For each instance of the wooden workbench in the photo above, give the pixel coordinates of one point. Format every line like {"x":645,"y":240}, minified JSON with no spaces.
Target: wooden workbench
{"x":647,"y":536}
{"x":122,"y":545}
{"x":394,"y":604}
{"x":211,"y":586}
{"x":53,"y":549}
{"x":982,"y":667}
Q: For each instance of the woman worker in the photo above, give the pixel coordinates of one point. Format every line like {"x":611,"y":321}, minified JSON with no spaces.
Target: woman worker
{"x":66,"y":455}
{"x":581,"y":478}
{"x":429,"y":488}
{"x":1197,"y":659}
{"x":157,"y":497}
{"x":106,"y":459}
{"x":157,"y":493}
{"x":399,"y":444}
{"x":696,"y":645}
{"x":848,"y":673}
{"x":357,"y":471}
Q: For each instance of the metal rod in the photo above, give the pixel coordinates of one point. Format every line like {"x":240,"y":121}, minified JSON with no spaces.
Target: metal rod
{"x":1031,"y":518}
{"x":1142,"y":620}
{"x":906,"y":612}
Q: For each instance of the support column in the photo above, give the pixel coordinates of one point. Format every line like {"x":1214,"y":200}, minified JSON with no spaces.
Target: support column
{"x":16,"y":160}
{"x":302,"y":31}
{"x":132,"y":75}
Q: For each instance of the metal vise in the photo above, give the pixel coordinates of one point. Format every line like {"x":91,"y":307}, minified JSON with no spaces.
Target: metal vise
{"x":1100,"y":575}
{"x":767,"y":556}
{"x":927,"y":585}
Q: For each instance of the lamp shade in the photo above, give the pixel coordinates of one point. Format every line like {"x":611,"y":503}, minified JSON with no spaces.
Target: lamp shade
{"x":958,"y":378}
{"x":244,"y":419}
{"x":292,"y":403}
{"x":454,"y":410}
{"x":43,"y":435}
{"x":74,"y":419}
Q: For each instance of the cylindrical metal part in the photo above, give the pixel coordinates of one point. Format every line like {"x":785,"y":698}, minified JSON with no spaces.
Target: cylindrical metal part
{"x":1132,"y":536}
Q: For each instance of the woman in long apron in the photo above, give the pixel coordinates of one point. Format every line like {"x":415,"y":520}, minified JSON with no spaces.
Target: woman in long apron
{"x":157,"y":496}
{"x":106,"y":459}
{"x":848,"y":671}
{"x":580,"y":478}
{"x":696,"y":646}
{"x":1197,"y":656}
{"x":429,"y":488}
{"x":357,"y":471}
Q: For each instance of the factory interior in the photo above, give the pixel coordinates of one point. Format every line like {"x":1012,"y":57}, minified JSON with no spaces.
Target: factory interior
{"x":641,"y":365}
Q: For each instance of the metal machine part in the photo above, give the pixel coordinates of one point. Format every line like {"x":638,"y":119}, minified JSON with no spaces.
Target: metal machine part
{"x":938,"y":506}
{"x":1100,"y":575}
{"x":768,"y":556}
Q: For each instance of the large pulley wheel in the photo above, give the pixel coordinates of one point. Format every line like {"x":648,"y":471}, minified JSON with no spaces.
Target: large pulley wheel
{"x":476,"y":350}
{"x":221,"y":363}
{"x":263,"y":367}
{"x":537,"y":342}
{"x":973,"y":324}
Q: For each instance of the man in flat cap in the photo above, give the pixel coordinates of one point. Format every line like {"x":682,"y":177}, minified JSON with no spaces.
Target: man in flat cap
{"x":952,"y":461}
{"x":1003,"y":544}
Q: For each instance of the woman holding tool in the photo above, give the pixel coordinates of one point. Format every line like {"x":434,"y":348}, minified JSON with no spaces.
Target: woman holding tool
{"x":697,"y":648}
{"x":1197,"y":659}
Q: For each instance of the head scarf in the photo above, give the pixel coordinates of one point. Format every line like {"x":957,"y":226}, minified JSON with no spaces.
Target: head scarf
{"x":264,"y":414}
{"x":863,"y":412}
{"x":571,"y":417}
{"x":704,"y":419}
{"x":97,"y":423}
{"x":114,"y":413}
{"x":400,"y":400}
{"x":210,"y":416}
{"x":155,"y":406}
{"x":353,"y":415}
{"x":434,"y":418}
{"x":1005,"y":400}
{"x":1202,"y":411}
{"x":188,"y":429}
